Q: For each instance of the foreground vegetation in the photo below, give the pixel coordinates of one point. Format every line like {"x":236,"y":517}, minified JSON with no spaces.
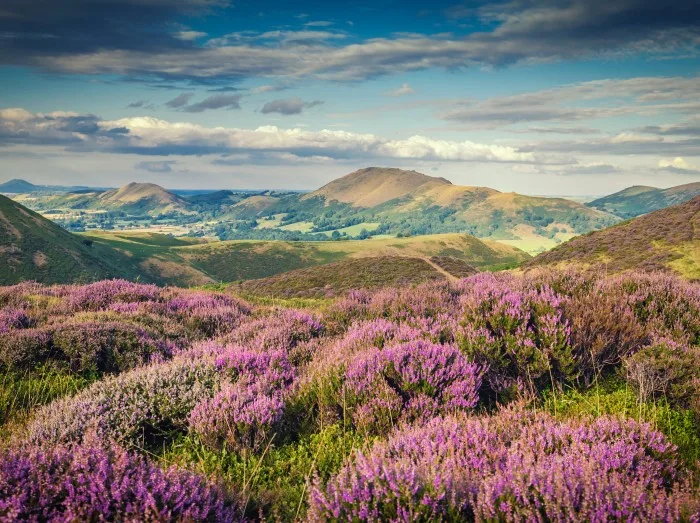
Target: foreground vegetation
{"x":546,"y":396}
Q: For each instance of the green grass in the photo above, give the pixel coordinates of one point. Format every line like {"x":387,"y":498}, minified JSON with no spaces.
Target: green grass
{"x":34,"y":248}
{"x":277,"y":477}
{"x":21,"y":392}
{"x":614,"y":397}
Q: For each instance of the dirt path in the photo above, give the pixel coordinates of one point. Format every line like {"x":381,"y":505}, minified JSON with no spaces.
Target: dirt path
{"x":450,"y":277}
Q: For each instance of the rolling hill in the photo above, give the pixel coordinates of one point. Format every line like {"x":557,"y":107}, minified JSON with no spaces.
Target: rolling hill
{"x":18,"y":187}
{"x":640,"y":199}
{"x":189,"y":261}
{"x":408,"y":202}
{"x":337,"y":278}
{"x":666,"y":240}
{"x":34,"y":248}
{"x":142,"y":197}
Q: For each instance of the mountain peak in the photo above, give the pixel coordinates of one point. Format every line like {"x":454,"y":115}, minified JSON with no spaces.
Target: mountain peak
{"x":373,"y":186}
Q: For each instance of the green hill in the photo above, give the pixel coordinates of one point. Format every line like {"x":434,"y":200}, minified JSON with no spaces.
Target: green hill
{"x":194,"y":262}
{"x":667,"y":240}
{"x":639,"y":199}
{"x":395,"y":201}
{"x":334,"y":279}
{"x":34,"y":248}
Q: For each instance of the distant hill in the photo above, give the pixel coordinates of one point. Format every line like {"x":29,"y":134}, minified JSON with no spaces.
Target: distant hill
{"x":640,"y":199}
{"x":34,"y":248}
{"x":667,"y":240}
{"x":134,"y":198}
{"x":142,"y":197}
{"x":374,"y":185}
{"x":17,"y":186}
{"x":408,"y":202}
{"x":337,"y":278}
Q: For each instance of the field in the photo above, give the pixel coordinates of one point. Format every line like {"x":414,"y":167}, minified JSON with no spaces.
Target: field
{"x":499,"y":397}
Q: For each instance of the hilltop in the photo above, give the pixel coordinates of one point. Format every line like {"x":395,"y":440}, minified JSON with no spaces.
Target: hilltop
{"x":34,"y":248}
{"x":144,"y":197}
{"x":667,"y":240}
{"x":641,"y":199}
{"x":17,"y":186}
{"x":375,"y":185}
{"x":408,"y":202}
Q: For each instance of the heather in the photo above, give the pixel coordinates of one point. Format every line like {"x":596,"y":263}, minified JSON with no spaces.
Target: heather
{"x":540,"y":396}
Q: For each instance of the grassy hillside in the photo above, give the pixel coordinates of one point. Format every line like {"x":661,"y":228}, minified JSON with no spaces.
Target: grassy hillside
{"x":337,"y":278}
{"x":192,"y":262}
{"x":667,"y":240}
{"x":34,"y":248}
{"x":637,"y":200}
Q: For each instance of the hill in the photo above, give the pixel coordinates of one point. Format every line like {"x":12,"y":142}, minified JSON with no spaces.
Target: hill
{"x":374,"y":185}
{"x":395,"y":201}
{"x":142,"y":197}
{"x":17,"y":186}
{"x":34,"y":248}
{"x":337,"y":278}
{"x":194,"y":262}
{"x":667,"y":240}
{"x":639,"y":199}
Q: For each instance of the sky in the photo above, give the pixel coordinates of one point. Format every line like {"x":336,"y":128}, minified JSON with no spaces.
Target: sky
{"x":551,"y":97}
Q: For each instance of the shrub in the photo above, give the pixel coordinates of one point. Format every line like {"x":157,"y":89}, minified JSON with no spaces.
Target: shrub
{"x":149,"y":404}
{"x":410,"y":381}
{"x":667,"y":370}
{"x":100,"y":481}
{"x":282,"y":330}
{"x":238,"y":417}
{"x":23,"y":349}
{"x":99,"y":295}
{"x":520,"y":333}
{"x":13,"y":319}
{"x":107,"y":347}
{"x":516,"y":465}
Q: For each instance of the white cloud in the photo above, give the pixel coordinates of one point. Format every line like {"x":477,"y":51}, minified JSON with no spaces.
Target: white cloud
{"x":189,"y":35}
{"x":404,"y":90}
{"x":678,"y":165}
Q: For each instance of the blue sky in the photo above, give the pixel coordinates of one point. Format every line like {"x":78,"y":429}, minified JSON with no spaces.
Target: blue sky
{"x":533,"y":96}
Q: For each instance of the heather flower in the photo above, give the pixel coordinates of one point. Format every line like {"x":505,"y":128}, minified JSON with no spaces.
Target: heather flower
{"x":410,"y":381}
{"x":24,"y":348}
{"x":13,"y":319}
{"x":282,"y":330}
{"x":101,"y":481}
{"x":516,"y":465}
{"x":99,"y":295}
{"x":238,"y":417}
{"x":145,"y":405}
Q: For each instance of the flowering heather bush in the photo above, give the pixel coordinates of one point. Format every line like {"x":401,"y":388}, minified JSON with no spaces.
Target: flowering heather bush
{"x":145,"y":405}
{"x":411,"y":381}
{"x":13,"y":319}
{"x":519,"y":332}
{"x":267,"y":372}
{"x":102,"y":294}
{"x":206,"y":314}
{"x":514,"y":466}
{"x":25,"y":348}
{"x":97,"y":482}
{"x":108,"y":347}
{"x":239,"y":417}
{"x":284,"y":330}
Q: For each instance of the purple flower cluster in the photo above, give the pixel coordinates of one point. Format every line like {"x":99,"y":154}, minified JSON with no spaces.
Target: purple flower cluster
{"x":250,"y":406}
{"x":410,"y":381}
{"x":99,"y":481}
{"x":13,"y":319}
{"x":513,"y":466}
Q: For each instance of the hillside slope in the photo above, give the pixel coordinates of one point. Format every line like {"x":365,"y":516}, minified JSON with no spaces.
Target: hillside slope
{"x":639,"y":199}
{"x":142,"y":197}
{"x":667,"y":240}
{"x":190,"y":262}
{"x":408,"y":202}
{"x":34,"y":248}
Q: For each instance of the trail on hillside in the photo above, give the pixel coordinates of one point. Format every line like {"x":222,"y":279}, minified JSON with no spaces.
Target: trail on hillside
{"x":450,"y":277}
